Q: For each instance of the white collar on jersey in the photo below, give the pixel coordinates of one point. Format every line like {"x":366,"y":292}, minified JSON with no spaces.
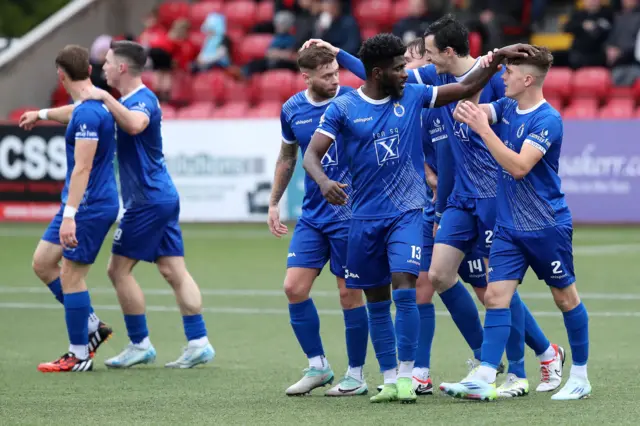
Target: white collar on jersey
{"x":462,"y":77}
{"x":319,"y":104}
{"x":533,"y":108}
{"x":133,"y":92}
{"x":373,"y":101}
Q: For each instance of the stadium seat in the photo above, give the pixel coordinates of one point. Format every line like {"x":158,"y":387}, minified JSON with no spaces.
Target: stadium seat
{"x":17,"y":113}
{"x":299,"y":84}
{"x":621,"y":93}
{"x":368,"y":31}
{"x":197,"y":39}
{"x":199,"y":12}
{"x":400,"y":10}
{"x":235,"y":91}
{"x":558,"y":82}
{"x":591,"y":82}
{"x":231,"y":110}
{"x":347,"y":78}
{"x":60,"y":97}
{"x":475,"y":44}
{"x":168,"y":112}
{"x":275,"y":85}
{"x":265,"y":110}
{"x":181,"y":90}
{"x":209,"y":86}
{"x":374,"y":12}
{"x":240,"y":13}
{"x":236,"y":36}
{"x":556,"y":102}
{"x":253,"y":46}
{"x":148,"y":79}
{"x":618,"y":109}
{"x":172,"y":10}
{"x":636,"y":89}
{"x":197,"y":110}
{"x":265,"y":11}
{"x":582,"y":109}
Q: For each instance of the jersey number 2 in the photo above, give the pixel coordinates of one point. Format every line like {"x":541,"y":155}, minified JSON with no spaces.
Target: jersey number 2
{"x":557,"y":267}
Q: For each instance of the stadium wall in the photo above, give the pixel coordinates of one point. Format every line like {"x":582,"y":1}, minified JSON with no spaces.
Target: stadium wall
{"x":27,"y":72}
{"x":223,"y":170}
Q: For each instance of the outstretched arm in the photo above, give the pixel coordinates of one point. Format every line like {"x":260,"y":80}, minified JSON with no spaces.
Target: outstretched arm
{"x":61,"y":114}
{"x":480,"y":76}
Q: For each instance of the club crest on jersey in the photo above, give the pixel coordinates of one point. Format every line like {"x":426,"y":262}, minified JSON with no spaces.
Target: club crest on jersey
{"x":398,"y":109}
{"x":520,"y":130}
{"x":387,"y":149}
{"x":330,"y":158}
{"x":321,"y":119}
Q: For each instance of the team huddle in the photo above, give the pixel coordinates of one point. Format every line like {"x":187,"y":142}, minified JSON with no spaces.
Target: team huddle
{"x":440,"y":168}
{"x":98,"y":125}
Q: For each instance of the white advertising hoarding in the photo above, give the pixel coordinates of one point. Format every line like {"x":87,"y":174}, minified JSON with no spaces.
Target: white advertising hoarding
{"x":223,"y":169}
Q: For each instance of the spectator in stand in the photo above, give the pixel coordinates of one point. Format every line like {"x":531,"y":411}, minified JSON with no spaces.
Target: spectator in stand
{"x":98,"y":54}
{"x":305,"y":20}
{"x":184,"y":52}
{"x":281,"y":52}
{"x":415,"y":23}
{"x":152,"y":29}
{"x":336,"y":28}
{"x":621,"y":45}
{"x":590,"y":27}
{"x":216,"y":48}
{"x":492,"y":17}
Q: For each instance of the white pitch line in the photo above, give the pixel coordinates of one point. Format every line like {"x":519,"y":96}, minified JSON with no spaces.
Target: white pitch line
{"x":280,"y":293}
{"x":263,"y":311}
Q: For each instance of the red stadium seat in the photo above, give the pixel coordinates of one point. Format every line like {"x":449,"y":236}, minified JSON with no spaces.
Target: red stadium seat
{"x":264,"y":13}
{"x":618,"y":109}
{"x":197,"y":110}
{"x":400,"y":10}
{"x":265,"y":110}
{"x":235,"y":91}
{"x":148,"y":79}
{"x":209,"y":86}
{"x":475,"y":44}
{"x":368,"y":32}
{"x":231,"y":110}
{"x":241,"y":13}
{"x":17,"y":113}
{"x":199,"y":12}
{"x":172,"y":10}
{"x":558,"y":82}
{"x":374,"y":12}
{"x":298,"y":83}
{"x":621,"y":93}
{"x":275,"y":85}
{"x":60,"y":97}
{"x":181,"y":91}
{"x":197,"y":39}
{"x":253,"y":46}
{"x":556,"y":102}
{"x":168,"y":112}
{"x":591,"y":82}
{"x":582,"y":109}
{"x":347,"y":78}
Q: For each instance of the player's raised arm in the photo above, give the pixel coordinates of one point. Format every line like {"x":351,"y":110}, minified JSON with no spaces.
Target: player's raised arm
{"x":86,"y":143}
{"x":480,"y":76}
{"x":132,"y":121}
{"x":61,"y":114}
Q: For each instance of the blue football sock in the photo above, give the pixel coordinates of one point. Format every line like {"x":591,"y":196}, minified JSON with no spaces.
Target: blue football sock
{"x":515,"y":343}
{"x":194,"y":327}
{"x":76,"y":310}
{"x":383,"y":335}
{"x":534,"y":337}
{"x":497,"y":327}
{"x":577,"y":323}
{"x":464,"y":313}
{"x":55,"y":287}
{"x":427,"y":330}
{"x":356,"y":322}
{"x":306,"y":326}
{"x":136,"y":327}
{"x":407,"y":323}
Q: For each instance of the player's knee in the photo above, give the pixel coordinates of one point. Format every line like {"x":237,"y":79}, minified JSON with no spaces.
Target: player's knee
{"x":403,"y":280}
{"x":115,"y":273}
{"x":424,"y":289}
{"x":42,"y":268}
{"x":480,"y":293}
{"x":496,"y":298}
{"x":169,"y":273}
{"x":351,"y":298}
{"x":297,"y":291}
{"x":567,"y":298}
{"x":440,"y":279}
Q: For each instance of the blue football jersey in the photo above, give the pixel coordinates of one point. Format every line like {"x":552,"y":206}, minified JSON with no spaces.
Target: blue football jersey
{"x":144,"y":178}
{"x":299,"y":119}
{"x":433,"y":132}
{"x":383,"y":140}
{"x":476,"y":171}
{"x":535,"y":202}
{"x":92,"y":121}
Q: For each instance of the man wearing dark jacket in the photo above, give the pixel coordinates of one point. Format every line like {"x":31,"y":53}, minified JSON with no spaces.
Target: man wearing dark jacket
{"x":590,"y":27}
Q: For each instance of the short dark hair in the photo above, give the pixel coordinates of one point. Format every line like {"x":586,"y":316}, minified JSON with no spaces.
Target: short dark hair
{"x":134,"y":53}
{"x":449,"y":32}
{"x":313,"y":57}
{"x":74,"y":60}
{"x":380,"y":50}
{"x":417,"y":45}
{"x":542,"y":60}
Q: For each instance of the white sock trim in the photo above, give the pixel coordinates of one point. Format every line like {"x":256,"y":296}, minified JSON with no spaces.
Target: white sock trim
{"x":390,"y":377}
